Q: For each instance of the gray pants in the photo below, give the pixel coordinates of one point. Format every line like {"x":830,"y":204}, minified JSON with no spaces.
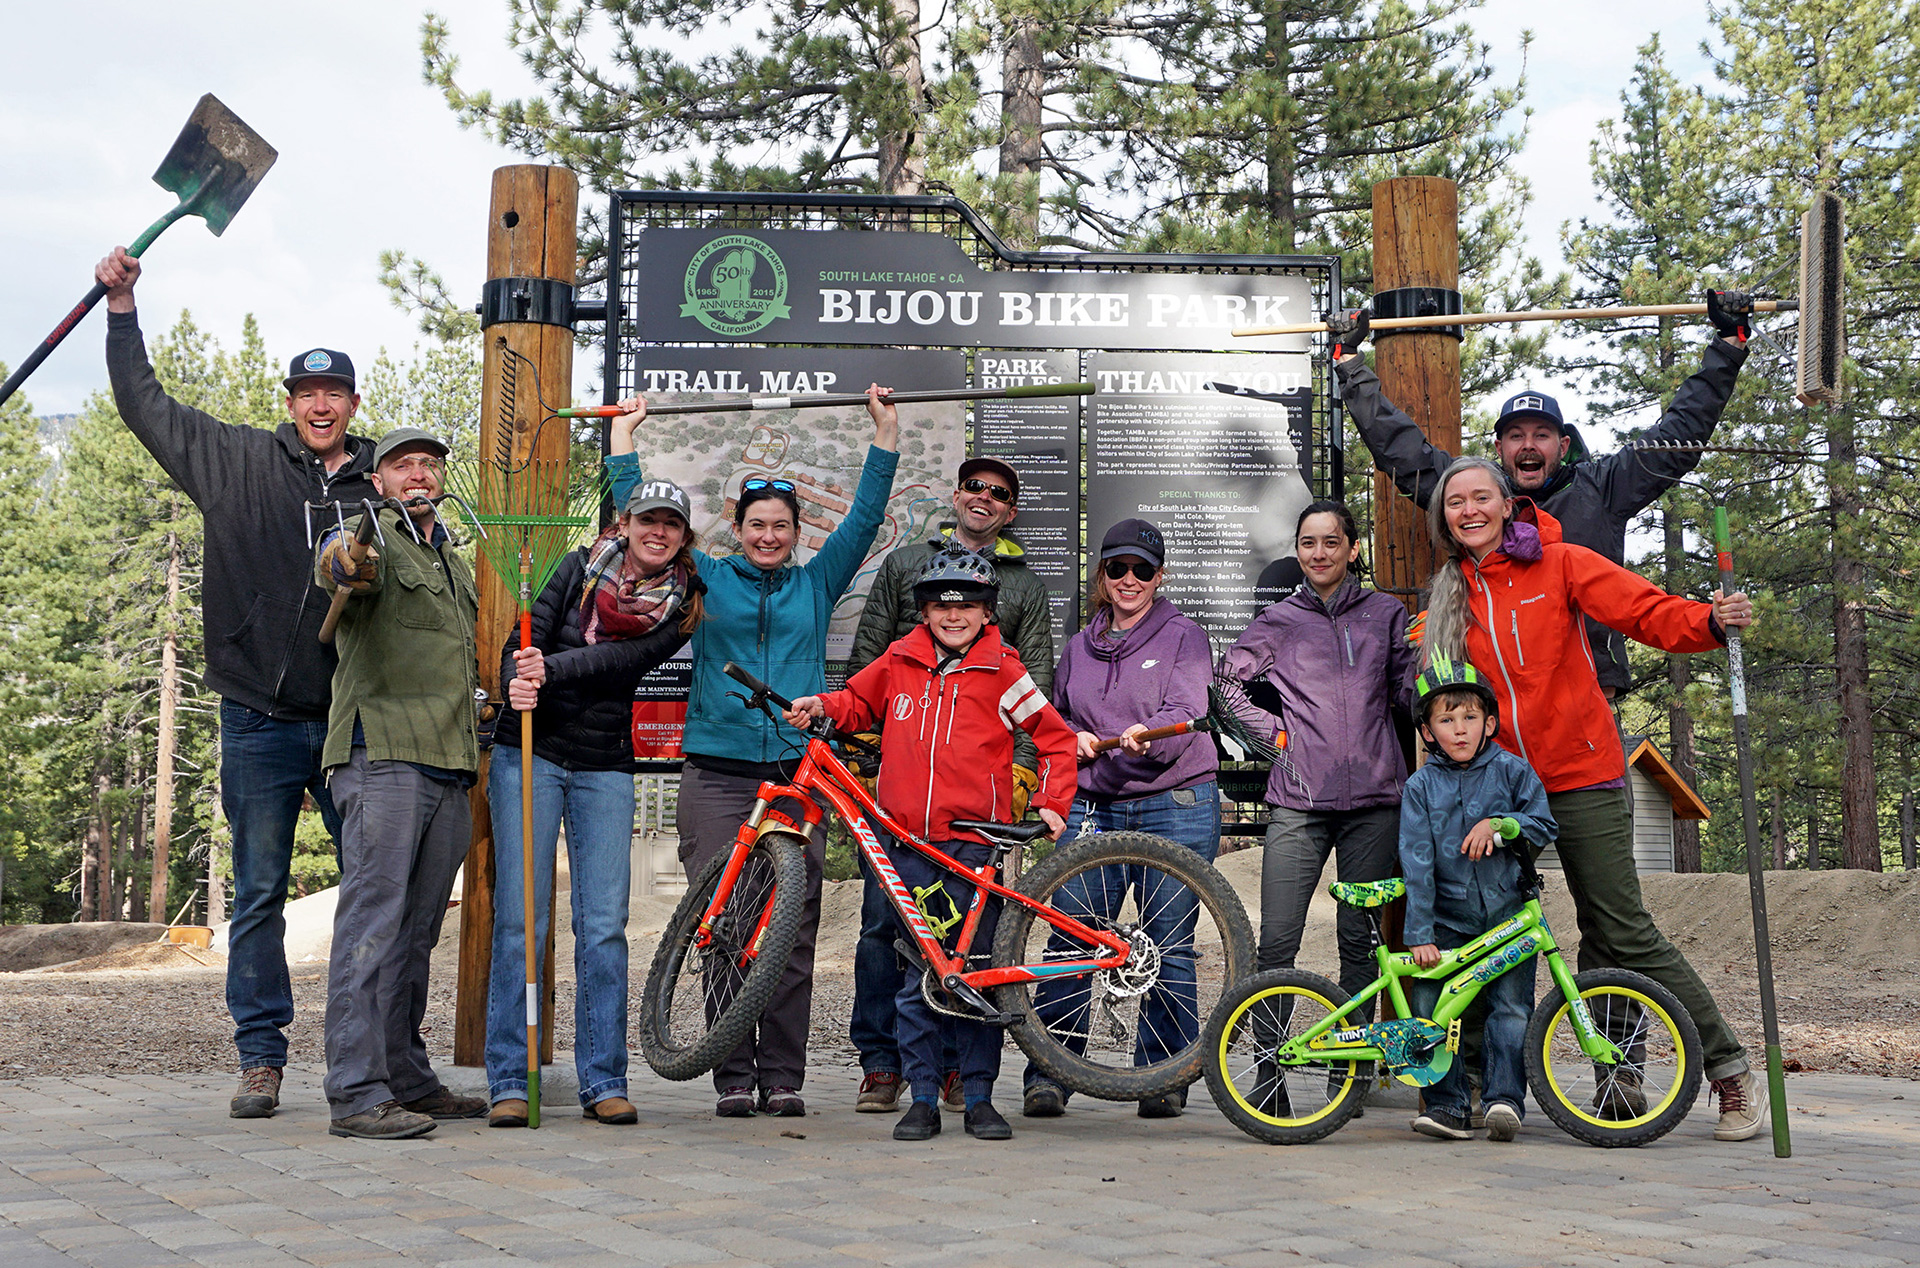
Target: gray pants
{"x":403,"y":835}
{"x":712,"y":808}
{"x":1366,"y":844}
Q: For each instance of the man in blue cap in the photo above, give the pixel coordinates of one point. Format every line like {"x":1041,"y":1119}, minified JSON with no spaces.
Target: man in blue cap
{"x":1545,"y":458}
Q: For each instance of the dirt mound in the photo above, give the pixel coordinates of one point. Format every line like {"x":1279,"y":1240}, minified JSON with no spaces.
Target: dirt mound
{"x":34,"y":946}
{"x":141,"y":958}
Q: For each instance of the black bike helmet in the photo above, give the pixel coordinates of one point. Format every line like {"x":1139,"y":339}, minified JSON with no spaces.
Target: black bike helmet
{"x":1444,"y":674}
{"x":954,"y":575}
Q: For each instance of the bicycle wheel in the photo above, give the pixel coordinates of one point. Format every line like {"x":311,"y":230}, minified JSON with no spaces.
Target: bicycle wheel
{"x":1645,"y":1096}
{"x":1282,"y":1105}
{"x":701,"y":1001}
{"x":1134,"y":1031}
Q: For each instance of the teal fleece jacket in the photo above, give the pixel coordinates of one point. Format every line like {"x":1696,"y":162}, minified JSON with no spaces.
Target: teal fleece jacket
{"x":773,"y":623}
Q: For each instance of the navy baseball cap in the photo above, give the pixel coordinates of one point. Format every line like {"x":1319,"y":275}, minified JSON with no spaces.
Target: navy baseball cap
{"x":1524,"y":405}
{"x":994,"y":467}
{"x":320,"y":363}
{"x":1134,"y":537}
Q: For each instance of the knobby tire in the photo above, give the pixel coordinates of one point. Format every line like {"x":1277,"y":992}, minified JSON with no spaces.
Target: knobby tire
{"x":1574,"y":1092}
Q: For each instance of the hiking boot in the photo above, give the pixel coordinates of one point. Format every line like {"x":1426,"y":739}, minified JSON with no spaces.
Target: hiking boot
{"x":443,"y":1104}
{"x":617,"y":1110}
{"x":508,"y":1113}
{"x":1167,"y":1106}
{"x":985,"y":1123}
{"x":1743,"y":1110}
{"x":1503,"y":1122}
{"x":782,"y":1102}
{"x":1043,"y":1099}
{"x":259,"y":1093}
{"x":920,"y":1122}
{"x":879,"y":1093}
{"x":387,"y":1121}
{"x":1620,"y":1097}
{"x":1442,"y":1125}
{"x":952,"y":1096}
{"x":734,"y":1102}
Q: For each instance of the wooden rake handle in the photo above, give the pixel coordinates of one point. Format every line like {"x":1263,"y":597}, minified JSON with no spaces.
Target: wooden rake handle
{"x":850,"y":398}
{"x":1158,"y":733}
{"x":1538,"y":314}
{"x":357,"y":555}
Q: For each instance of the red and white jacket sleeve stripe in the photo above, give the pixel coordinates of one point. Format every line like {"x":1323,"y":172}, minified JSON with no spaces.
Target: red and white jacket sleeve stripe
{"x":1024,"y":705}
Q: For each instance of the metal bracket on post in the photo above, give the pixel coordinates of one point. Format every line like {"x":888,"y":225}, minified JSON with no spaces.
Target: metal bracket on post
{"x":544,"y":300}
{"x":1419,"y":301}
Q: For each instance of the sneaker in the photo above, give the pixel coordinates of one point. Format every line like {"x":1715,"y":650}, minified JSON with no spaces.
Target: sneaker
{"x":388,"y":1121}
{"x":1743,"y":1110}
{"x":1167,"y":1106}
{"x":734,"y":1102}
{"x":952,"y":1097}
{"x":782,"y":1102}
{"x":443,"y":1104}
{"x":617,"y":1110}
{"x":1503,"y":1121}
{"x":1620,"y":1097}
{"x":1476,"y":1110}
{"x":1043,"y":1099}
{"x":920,"y":1122}
{"x":985,"y":1123}
{"x":879,"y":1093}
{"x":508,"y":1113}
{"x":259,"y":1093}
{"x":1442,"y":1125}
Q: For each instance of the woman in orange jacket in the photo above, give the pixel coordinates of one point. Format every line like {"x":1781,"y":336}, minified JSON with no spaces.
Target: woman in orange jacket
{"x":1510,"y":598}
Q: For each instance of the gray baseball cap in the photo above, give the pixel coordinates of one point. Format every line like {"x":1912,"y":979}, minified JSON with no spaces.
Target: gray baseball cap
{"x":660,"y":495}
{"x":402,"y":436}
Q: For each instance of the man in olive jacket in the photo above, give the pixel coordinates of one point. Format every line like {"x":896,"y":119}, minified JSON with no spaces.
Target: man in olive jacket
{"x":401,"y":754}
{"x":985,"y":501}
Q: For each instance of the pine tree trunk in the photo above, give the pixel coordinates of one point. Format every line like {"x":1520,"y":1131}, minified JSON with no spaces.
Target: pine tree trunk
{"x":164,"y":746}
{"x":93,"y":851}
{"x":1686,"y":832}
{"x":1907,"y":859}
{"x":1022,"y":98}
{"x":1813,"y":842}
{"x":1779,"y":834}
{"x":137,"y":860}
{"x":1281,"y":161}
{"x":1859,"y":815}
{"x":903,"y":164}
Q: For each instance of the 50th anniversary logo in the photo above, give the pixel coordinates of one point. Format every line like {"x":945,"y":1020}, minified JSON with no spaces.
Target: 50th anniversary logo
{"x":736,"y":285}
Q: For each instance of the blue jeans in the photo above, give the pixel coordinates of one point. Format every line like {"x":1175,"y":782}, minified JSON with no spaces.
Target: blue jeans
{"x":1169,"y":1017}
{"x":878,"y":975}
{"x":267,"y":769}
{"x":1508,"y":1000}
{"x":971,"y":1047}
{"x":598,"y":807}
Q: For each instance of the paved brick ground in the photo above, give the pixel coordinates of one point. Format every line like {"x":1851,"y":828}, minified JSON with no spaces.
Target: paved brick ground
{"x":136,"y":1171}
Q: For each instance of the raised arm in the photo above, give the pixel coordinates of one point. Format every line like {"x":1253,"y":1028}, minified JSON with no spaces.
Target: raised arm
{"x":1396,"y":442}
{"x":840,"y":556}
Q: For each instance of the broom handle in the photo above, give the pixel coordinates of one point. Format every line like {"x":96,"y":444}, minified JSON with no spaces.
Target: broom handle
{"x":526,"y":859}
{"x":823,"y":402}
{"x":1537,"y":314}
{"x":1158,"y":733}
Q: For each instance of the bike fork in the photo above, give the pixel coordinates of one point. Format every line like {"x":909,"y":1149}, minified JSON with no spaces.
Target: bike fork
{"x":1592,"y":1042}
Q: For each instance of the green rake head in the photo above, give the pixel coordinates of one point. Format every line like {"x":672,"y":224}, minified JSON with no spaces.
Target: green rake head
{"x":528,"y":517}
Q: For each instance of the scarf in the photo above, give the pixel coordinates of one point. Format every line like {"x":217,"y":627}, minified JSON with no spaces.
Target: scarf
{"x":617,"y":602}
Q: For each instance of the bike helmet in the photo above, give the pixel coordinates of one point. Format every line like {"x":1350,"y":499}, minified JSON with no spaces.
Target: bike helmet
{"x":953,"y":575}
{"x":1444,"y":674}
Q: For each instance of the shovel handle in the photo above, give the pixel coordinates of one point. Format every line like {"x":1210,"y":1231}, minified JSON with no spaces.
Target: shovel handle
{"x":357,"y":553}
{"x":1158,"y":733}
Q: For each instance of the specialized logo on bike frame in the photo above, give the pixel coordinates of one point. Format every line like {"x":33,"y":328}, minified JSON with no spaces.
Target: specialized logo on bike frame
{"x":902,"y":706}
{"x":736,"y":285}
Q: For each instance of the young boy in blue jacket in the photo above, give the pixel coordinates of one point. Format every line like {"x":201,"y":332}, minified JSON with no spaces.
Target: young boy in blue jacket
{"x":1459,"y":885}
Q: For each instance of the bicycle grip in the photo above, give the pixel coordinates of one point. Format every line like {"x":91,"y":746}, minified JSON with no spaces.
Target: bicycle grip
{"x":1507,"y":827}
{"x":754,"y":685}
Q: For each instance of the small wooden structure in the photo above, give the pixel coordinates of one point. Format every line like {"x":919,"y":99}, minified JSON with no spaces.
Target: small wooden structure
{"x":1660,"y":796}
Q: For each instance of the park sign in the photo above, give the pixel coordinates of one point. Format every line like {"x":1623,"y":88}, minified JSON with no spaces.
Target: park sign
{"x":801,"y":286}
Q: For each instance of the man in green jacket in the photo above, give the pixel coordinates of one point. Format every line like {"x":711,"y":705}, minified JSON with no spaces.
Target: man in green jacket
{"x":400,"y":755}
{"x":986,"y":498}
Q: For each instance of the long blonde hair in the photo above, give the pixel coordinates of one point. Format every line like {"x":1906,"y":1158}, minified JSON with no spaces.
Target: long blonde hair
{"x":1448,"y":606}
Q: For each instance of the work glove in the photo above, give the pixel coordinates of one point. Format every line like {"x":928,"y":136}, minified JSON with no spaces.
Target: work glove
{"x":1731,"y":313}
{"x":341,"y":568}
{"x":1025,"y":783}
{"x":1349,"y":332}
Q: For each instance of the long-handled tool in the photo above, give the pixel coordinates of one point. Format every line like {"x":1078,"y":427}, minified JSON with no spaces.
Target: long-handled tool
{"x":531,"y":514}
{"x":214,"y":165}
{"x":842,"y":399}
{"x":356,"y":554}
{"x":1158,"y":733}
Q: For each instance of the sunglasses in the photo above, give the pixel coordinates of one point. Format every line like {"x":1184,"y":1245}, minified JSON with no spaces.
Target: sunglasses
{"x":998,"y":492}
{"x":757,"y":483}
{"x":1141,"y":569}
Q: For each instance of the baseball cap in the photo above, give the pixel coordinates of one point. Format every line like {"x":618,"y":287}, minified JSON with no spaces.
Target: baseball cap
{"x":403,"y":436}
{"x":320,"y":363}
{"x":994,"y":467}
{"x":1134,"y":537}
{"x":1524,"y":405}
{"x":660,"y":495}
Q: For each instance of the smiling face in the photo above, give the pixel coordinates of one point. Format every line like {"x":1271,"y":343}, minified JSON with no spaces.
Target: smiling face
{"x":1477,"y":511}
{"x":767,"y":532}
{"x":954,"y":625}
{"x":654,"y":537}
{"x":1129,"y":595}
{"x":980,"y":516}
{"x":321,"y":410}
{"x":414,"y":474}
{"x":1325,"y":551}
{"x":1458,"y":725}
{"x":1532,"y":450}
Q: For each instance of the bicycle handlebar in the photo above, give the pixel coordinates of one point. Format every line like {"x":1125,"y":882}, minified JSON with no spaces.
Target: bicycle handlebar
{"x":758,"y":688}
{"x":823,"y":727}
{"x":1507,"y":827}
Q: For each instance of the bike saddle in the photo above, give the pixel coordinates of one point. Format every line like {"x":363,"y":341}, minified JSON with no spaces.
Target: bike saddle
{"x":1002,"y":833}
{"x":1368,"y":893}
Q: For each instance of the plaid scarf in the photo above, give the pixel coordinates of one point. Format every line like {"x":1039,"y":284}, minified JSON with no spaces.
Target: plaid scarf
{"x":617,"y":602}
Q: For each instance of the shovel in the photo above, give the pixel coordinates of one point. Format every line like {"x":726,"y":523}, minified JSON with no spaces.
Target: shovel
{"x":213,"y":167}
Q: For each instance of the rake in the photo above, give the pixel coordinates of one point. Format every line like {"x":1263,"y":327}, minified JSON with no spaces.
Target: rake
{"x":530,"y":515}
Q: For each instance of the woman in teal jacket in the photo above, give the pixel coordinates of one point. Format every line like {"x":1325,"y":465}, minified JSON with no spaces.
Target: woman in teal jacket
{"x":768,"y":615}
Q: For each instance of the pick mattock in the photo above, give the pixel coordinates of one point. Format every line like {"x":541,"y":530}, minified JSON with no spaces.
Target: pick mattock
{"x":531,"y":514}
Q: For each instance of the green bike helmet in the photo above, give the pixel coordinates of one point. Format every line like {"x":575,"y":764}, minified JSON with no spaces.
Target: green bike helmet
{"x":1444,"y":674}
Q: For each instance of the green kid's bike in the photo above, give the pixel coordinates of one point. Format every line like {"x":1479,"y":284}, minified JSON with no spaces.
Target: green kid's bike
{"x":1612,"y":1056}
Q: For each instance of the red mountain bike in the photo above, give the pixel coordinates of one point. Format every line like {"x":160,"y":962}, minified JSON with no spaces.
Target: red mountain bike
{"x":1110,"y":952}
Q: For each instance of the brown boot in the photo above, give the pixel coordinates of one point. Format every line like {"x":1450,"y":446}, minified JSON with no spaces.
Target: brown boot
{"x":611,"y":1109}
{"x":259,"y":1093}
{"x":511,"y":1113}
{"x":442,"y":1103}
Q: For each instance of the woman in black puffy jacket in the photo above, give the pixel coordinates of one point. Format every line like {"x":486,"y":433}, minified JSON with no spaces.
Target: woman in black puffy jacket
{"x":613,"y":612}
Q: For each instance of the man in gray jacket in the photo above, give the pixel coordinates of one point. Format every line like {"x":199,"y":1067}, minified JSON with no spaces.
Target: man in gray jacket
{"x":1545,"y":457}
{"x":985,"y":500}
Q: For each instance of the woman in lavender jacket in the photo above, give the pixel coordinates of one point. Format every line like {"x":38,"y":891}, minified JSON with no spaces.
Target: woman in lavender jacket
{"x":1338,"y":655}
{"x":1138,"y":665}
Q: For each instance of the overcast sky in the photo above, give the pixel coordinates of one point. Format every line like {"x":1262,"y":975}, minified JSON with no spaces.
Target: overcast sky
{"x":371,"y":158}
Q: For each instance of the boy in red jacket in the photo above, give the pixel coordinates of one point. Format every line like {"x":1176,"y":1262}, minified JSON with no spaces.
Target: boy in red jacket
{"x":952,"y":693}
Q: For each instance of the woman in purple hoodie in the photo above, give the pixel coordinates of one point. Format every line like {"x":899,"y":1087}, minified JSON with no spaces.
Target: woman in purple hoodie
{"x":1337,"y":654}
{"x":1136,"y":666}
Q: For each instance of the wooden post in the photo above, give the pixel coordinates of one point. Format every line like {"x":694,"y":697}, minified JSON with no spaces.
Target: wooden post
{"x":1416,"y":242}
{"x":531,"y":232}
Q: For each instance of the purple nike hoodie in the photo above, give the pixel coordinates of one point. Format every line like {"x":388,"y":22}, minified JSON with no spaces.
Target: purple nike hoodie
{"x":1155,"y":674}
